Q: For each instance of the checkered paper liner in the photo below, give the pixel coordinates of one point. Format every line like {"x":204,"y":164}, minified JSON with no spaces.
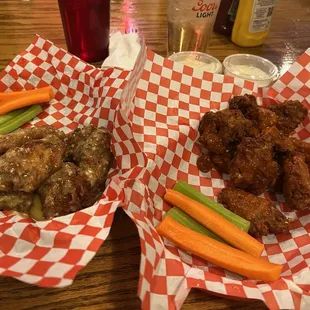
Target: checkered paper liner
{"x":50,"y":253}
{"x":158,"y":130}
{"x":153,"y":140}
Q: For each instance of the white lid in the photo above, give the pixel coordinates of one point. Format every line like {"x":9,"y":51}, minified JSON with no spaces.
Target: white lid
{"x":198,"y":60}
{"x":251,"y":67}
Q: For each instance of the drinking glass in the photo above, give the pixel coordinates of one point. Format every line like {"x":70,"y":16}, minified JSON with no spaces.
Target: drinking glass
{"x":190,"y":24}
{"x":86,"y":25}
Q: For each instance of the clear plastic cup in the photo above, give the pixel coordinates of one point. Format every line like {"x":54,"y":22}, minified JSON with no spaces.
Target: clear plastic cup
{"x":198,"y":60}
{"x":252,"y":68}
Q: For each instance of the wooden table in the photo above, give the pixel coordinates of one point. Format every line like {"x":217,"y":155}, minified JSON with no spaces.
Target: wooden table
{"x":110,"y":280}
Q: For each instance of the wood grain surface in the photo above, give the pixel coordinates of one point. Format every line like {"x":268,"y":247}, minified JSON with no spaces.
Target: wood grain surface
{"x":110,"y":280}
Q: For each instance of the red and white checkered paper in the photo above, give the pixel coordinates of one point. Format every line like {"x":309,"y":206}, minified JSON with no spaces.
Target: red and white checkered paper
{"x":50,"y":253}
{"x":159,"y":126}
{"x":154,"y":119}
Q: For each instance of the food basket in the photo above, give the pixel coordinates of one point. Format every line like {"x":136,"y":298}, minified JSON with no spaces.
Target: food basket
{"x":153,"y":113}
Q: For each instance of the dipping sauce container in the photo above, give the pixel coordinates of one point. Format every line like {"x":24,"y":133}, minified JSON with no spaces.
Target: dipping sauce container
{"x":252,"y":68}
{"x":198,"y":60}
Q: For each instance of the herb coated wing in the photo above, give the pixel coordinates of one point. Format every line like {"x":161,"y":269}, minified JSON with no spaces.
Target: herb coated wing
{"x":25,"y":167}
{"x":17,"y":201}
{"x":89,"y":149}
{"x":21,"y":137}
{"x":62,"y":193}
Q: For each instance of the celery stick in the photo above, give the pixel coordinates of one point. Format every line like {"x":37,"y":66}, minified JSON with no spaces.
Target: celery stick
{"x":20,"y":119}
{"x":10,"y":115}
{"x":184,"y":219}
{"x":36,"y":211}
{"x":187,"y":190}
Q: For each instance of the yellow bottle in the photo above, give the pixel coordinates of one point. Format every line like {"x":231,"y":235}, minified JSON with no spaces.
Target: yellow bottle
{"x":252,"y":22}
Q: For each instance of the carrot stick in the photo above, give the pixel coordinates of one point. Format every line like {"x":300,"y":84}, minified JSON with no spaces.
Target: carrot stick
{"x":189,"y":191}
{"x":218,"y":253}
{"x":216,"y":223}
{"x":15,"y":94}
{"x":24,"y":100}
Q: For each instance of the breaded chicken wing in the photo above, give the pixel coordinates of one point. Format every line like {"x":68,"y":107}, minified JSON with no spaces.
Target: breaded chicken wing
{"x":280,"y":142}
{"x":264,"y":119}
{"x":296,"y":186}
{"x":223,"y":130}
{"x":302,"y":147}
{"x":253,"y":167}
{"x":221,"y":161}
{"x":261,"y":117}
{"x":290,"y":114}
{"x":265,"y":218}
{"x":204,"y":163}
{"x":246,"y":104}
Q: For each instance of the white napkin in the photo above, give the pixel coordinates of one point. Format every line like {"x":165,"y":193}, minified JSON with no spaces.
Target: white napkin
{"x":123,"y":50}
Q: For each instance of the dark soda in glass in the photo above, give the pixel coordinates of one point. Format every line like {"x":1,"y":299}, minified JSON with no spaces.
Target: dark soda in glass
{"x":86,"y":25}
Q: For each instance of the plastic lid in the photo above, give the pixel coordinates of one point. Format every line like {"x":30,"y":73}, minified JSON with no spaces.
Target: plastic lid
{"x":251,"y":67}
{"x":198,"y":60}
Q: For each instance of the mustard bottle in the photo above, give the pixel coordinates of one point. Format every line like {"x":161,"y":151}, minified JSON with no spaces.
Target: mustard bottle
{"x":252,"y":22}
